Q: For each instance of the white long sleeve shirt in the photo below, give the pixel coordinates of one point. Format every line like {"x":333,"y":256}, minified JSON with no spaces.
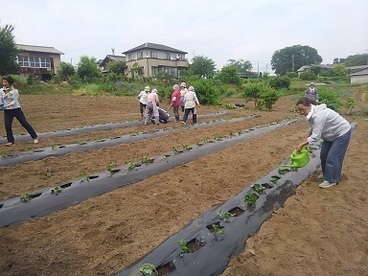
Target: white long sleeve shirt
{"x":191,"y":99}
{"x":326,"y":124}
{"x":9,"y":98}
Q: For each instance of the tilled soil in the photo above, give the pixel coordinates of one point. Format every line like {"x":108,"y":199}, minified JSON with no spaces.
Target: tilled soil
{"x":318,"y":232}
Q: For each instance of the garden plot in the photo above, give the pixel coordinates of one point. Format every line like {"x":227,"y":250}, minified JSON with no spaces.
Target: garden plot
{"x":43,"y":202}
{"x":106,"y":233}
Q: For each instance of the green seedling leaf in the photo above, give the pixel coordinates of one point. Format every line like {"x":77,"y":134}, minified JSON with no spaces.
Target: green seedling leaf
{"x":148,"y":269}
{"x":25,"y":198}
{"x":184,"y":246}
{"x":258,"y":188}
{"x":131,"y":166}
{"x":56,"y":190}
{"x":251,"y":199}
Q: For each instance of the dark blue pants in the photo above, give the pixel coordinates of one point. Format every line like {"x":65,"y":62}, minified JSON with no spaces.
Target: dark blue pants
{"x":8,"y":120}
{"x":332,"y":156}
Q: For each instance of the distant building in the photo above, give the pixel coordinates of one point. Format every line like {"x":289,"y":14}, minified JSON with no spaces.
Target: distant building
{"x":40,"y":61}
{"x":151,"y":58}
{"x":322,"y":66}
{"x":359,"y":74}
{"x":109,"y":58}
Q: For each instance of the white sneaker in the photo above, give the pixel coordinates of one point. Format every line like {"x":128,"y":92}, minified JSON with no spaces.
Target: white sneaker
{"x":320,"y":176}
{"x":327,"y":184}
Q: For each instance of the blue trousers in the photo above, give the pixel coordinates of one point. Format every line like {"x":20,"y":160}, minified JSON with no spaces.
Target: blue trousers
{"x":332,"y":156}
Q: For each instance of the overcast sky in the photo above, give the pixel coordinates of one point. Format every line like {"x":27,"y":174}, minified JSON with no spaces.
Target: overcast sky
{"x":218,"y":29}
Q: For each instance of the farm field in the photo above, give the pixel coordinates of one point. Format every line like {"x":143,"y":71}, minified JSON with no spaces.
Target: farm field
{"x":317,"y":232}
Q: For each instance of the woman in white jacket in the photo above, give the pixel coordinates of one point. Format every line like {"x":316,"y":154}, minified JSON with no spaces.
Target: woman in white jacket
{"x":335,"y":132}
{"x":191,"y":101}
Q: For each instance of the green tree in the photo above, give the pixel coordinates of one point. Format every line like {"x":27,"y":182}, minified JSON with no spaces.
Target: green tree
{"x":8,"y":51}
{"x":206,"y":91}
{"x":229,"y":75}
{"x":87,"y":69}
{"x":66,"y":71}
{"x":269,"y":97}
{"x":253,"y":91}
{"x":340,"y":70}
{"x":356,"y":60}
{"x":135,"y":70}
{"x":116,"y":66}
{"x":202,"y":66}
{"x":290,"y":59}
{"x":242,"y":66}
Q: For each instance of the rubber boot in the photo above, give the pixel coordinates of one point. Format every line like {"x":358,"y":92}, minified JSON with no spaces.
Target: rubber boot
{"x":157,"y":122}
{"x":194,"y":118}
{"x":177,"y":118}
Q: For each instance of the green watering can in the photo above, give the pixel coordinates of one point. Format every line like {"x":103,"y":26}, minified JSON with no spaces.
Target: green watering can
{"x":299,"y":159}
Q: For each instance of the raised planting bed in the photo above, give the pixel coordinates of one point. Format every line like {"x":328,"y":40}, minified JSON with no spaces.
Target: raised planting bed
{"x":63,"y":195}
{"x":222,"y":231}
{"x":60,"y":150}
{"x":87,"y":129}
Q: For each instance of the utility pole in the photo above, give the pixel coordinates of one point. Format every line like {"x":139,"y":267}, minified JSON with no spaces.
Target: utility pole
{"x":292,"y":63}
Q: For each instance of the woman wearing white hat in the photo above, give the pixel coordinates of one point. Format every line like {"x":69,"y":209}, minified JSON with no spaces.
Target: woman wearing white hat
{"x":312,"y":93}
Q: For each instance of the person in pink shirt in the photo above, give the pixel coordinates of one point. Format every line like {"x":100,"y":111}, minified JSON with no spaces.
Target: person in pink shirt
{"x":152,"y":103}
{"x":175,"y":101}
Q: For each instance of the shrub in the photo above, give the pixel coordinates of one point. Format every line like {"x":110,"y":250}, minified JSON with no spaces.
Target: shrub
{"x":269,"y":97}
{"x":280,"y":82}
{"x":330,"y":98}
{"x":292,"y":75}
{"x":206,"y":92}
{"x":308,"y":75}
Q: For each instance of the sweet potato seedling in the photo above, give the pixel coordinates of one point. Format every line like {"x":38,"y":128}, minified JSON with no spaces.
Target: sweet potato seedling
{"x":225,"y":216}
{"x":258,"y":188}
{"x":131,"y":166}
{"x":56,"y":190}
{"x":250,"y":199}
{"x":25,"y":198}
{"x":184,"y":246}
{"x":148,"y":269}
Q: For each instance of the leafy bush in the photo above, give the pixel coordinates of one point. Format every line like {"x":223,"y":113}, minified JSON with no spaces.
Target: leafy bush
{"x":206,"y":92}
{"x":253,"y":90}
{"x":269,"y":97}
{"x":292,"y":75}
{"x":330,"y":98}
{"x":308,"y":75}
{"x":229,"y":75}
{"x":280,"y":82}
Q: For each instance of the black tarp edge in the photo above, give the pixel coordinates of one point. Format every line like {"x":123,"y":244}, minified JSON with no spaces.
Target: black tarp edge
{"x":38,"y":154}
{"x":90,"y":128}
{"x":13,"y":211}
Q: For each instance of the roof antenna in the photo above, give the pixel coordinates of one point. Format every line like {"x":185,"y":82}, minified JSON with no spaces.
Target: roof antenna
{"x":113,"y":51}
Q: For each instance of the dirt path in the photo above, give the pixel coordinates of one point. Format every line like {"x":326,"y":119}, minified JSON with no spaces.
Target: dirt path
{"x":319,"y":232}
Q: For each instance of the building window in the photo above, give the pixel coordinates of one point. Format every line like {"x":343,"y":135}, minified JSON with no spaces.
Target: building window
{"x":166,"y":55}
{"x":154,"y":71}
{"x":140,"y":55}
{"x":130,"y":57}
{"x":153,"y":54}
{"x":180,"y":57}
{"x":34,"y":62}
{"x":23,"y":61}
{"x":45,"y":62}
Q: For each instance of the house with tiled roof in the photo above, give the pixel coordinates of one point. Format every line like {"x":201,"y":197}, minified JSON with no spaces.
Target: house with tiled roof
{"x":109,"y":58}
{"x":152,"y":58}
{"x":359,"y":74}
{"x":41,"y":61}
